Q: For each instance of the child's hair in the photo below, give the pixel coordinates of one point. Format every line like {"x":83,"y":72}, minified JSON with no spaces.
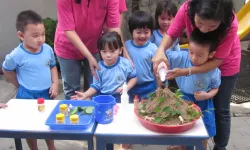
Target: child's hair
{"x":111,"y":39}
{"x":27,"y":17}
{"x":204,"y":39}
{"x":220,"y":10}
{"x":167,"y":6}
{"x":140,"y":19}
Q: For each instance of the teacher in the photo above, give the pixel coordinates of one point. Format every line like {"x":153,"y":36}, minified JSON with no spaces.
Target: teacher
{"x":80,"y":24}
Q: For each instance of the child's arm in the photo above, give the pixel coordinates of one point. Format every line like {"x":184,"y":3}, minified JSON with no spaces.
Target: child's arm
{"x":201,"y":95}
{"x":84,"y":95}
{"x":131,"y":83}
{"x":214,"y":85}
{"x":54,"y":87}
{"x":3,"y":105}
{"x":11,"y":76}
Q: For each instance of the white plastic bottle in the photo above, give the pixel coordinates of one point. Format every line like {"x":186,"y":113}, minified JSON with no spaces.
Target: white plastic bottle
{"x":162,"y":72}
{"x":124,"y":97}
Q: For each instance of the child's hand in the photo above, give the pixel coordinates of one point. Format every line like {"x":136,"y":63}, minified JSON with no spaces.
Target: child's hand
{"x":53,"y":91}
{"x":176,"y":72}
{"x":3,"y":105}
{"x":201,"y":95}
{"x":119,"y":90}
{"x":78,"y":96}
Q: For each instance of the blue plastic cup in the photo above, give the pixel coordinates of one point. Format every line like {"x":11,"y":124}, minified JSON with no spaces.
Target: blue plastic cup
{"x":104,"y":108}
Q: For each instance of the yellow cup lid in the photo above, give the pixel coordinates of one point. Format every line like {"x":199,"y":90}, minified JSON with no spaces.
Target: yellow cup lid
{"x":59,"y":116}
{"x":74,"y":117}
{"x":63,"y":106}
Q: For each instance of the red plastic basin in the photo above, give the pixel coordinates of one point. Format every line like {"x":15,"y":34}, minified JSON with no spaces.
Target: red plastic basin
{"x":167,"y":128}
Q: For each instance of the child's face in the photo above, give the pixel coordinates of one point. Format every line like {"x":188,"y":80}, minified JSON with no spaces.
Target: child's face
{"x":141,"y":36}
{"x":165,"y":21}
{"x":199,"y":54}
{"x":33,"y":36}
{"x":110,"y":56}
{"x":205,"y":25}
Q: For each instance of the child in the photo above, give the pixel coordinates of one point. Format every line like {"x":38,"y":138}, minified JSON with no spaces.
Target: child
{"x":198,"y":88}
{"x":164,"y":16}
{"x":31,"y":66}
{"x":3,"y":105}
{"x":141,"y":51}
{"x":114,"y":70}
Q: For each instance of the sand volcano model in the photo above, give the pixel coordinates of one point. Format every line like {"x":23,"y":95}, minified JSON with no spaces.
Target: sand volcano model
{"x":167,"y":108}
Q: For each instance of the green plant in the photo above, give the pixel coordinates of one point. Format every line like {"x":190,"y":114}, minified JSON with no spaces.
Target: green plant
{"x":50,"y":29}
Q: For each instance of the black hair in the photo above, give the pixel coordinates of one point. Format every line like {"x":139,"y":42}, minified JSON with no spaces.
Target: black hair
{"x":140,"y":19}
{"x":111,"y":39}
{"x":167,"y":6}
{"x":205,"y":39}
{"x":219,"y":10}
{"x":27,"y":17}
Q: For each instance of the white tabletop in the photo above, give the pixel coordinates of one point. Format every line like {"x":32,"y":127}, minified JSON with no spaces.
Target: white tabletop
{"x":23,"y":115}
{"x":130,"y":125}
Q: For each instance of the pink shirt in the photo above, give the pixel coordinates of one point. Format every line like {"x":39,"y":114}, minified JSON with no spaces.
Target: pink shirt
{"x":229,"y":48}
{"x":87,"y":19}
{"x":122,"y":6}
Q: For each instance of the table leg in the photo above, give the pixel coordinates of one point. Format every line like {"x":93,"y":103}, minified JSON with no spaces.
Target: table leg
{"x":90,"y":144}
{"x":109,"y":146}
{"x":100,"y":144}
{"x":18,"y":144}
{"x":199,"y":146}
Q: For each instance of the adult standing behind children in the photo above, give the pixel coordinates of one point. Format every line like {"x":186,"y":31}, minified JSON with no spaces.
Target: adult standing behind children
{"x":80,"y":24}
{"x":217,"y":17}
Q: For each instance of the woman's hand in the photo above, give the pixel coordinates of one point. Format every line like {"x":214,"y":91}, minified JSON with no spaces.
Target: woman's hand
{"x":93,"y":66}
{"x":157,"y":59}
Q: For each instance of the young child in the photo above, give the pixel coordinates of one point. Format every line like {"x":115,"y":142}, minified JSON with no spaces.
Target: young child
{"x":164,"y":16}
{"x":114,"y":70}
{"x":141,"y":51}
{"x":198,"y":88}
{"x":31,"y":66}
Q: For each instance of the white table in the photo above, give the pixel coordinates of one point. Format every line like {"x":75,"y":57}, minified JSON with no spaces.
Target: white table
{"x":22,"y":120}
{"x":128,"y":130}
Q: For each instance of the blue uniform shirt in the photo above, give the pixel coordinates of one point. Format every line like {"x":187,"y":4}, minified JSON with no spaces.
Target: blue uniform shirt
{"x":32,"y":69}
{"x":113,"y":77}
{"x":156,"y":38}
{"x":142,"y":58}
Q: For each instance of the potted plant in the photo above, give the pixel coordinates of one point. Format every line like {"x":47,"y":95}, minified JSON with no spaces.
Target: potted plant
{"x":50,"y":29}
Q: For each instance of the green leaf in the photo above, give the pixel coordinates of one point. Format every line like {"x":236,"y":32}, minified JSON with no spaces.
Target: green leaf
{"x":161,"y":99}
{"x":175,"y":112}
{"x":151,"y":96}
{"x":158,"y":109}
{"x":89,"y":110}
{"x":167,"y":109}
{"x":158,"y":120}
{"x":73,"y":111}
{"x":177,"y":104}
{"x":80,"y":108}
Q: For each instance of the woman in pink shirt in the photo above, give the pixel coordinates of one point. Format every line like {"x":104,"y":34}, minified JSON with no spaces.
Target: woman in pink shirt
{"x":80,"y":24}
{"x":213,"y":17}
